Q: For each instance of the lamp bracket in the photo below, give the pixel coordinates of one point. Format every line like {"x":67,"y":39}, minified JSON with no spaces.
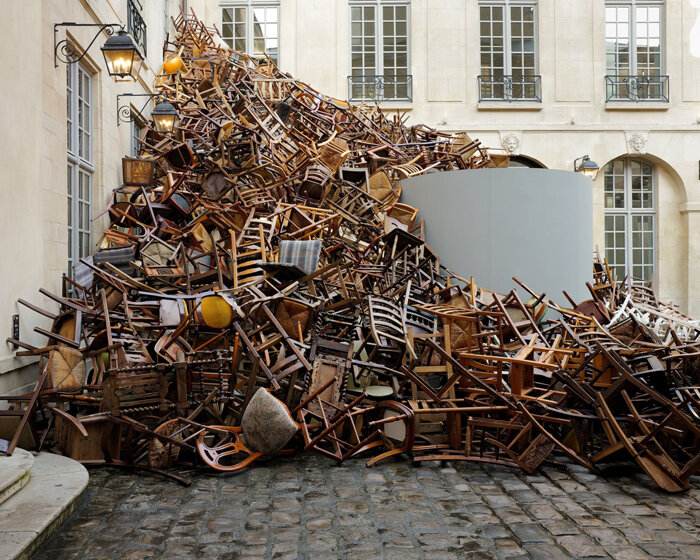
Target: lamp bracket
{"x":124,"y":112}
{"x":579,"y":161}
{"x":65,"y":50}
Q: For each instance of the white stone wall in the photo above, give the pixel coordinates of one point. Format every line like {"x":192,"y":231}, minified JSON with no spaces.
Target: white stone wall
{"x":33,"y":215}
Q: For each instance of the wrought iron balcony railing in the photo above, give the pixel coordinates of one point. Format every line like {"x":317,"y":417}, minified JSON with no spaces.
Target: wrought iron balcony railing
{"x":380,"y":88}
{"x":636,"y":88}
{"x":136,"y":26}
{"x":510,"y":88}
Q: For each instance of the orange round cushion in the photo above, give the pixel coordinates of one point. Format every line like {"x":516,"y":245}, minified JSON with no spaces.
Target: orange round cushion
{"x":173,"y":65}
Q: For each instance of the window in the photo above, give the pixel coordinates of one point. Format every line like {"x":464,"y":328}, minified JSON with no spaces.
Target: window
{"x":252,"y":27}
{"x":80,"y":167}
{"x":379,"y":51}
{"x":630,"y":218}
{"x":508,"y":51}
{"x":137,"y":128}
{"x":633,"y":51}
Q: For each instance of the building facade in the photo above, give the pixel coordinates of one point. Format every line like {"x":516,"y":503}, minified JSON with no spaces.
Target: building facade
{"x":547,"y":81}
{"x":61,"y":148}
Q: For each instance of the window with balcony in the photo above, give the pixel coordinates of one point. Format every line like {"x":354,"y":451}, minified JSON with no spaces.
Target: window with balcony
{"x":252,"y":27}
{"x":80,"y":162}
{"x":508,"y":33}
{"x":634,"y":51}
{"x":136,"y":26}
{"x":379,"y":65}
{"x":630,"y":218}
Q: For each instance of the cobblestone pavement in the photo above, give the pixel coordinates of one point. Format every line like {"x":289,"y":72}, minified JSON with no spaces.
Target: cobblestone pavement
{"x":306,"y":507}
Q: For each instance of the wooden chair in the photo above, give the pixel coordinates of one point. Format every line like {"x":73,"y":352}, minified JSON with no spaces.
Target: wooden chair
{"x":135,"y":388}
{"x":386,"y":337}
{"x":331,"y":427}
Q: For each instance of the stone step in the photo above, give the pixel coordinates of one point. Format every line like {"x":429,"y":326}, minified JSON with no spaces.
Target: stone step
{"x":14,"y":472}
{"x":27,"y":518}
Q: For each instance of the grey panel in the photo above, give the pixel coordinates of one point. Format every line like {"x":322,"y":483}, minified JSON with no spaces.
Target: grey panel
{"x":494,"y":224}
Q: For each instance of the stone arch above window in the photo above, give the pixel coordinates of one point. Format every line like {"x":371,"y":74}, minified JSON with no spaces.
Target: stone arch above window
{"x":524,"y":162}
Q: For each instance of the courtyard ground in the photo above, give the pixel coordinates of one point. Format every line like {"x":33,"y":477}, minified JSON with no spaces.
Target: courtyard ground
{"x":305,"y":507}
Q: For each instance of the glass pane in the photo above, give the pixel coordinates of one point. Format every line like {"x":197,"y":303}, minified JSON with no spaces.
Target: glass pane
{"x":265,"y":32}
{"x":388,"y":63}
{"x":614,"y":193}
{"x":616,"y":42}
{"x":492,"y":51}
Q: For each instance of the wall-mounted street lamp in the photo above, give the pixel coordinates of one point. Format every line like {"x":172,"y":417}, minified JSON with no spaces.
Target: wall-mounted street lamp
{"x":119,"y":50}
{"x":164,"y":114}
{"x":586,"y":166}
{"x":164,"y":117}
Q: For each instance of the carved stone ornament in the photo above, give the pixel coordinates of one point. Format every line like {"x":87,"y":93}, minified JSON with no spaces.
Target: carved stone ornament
{"x":510,"y":143}
{"x":637,"y":143}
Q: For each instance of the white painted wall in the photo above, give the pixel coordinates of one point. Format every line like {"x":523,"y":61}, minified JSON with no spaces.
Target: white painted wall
{"x":33,"y":214}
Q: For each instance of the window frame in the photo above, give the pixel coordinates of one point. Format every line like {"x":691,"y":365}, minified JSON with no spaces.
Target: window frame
{"x":250,"y":5}
{"x":613,"y":79}
{"x":379,"y":71}
{"x":80,"y":164}
{"x":628,"y":212}
{"x":136,"y":127}
{"x":506,"y":5}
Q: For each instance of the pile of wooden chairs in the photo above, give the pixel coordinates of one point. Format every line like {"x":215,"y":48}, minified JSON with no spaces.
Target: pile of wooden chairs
{"x":261,"y":245}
